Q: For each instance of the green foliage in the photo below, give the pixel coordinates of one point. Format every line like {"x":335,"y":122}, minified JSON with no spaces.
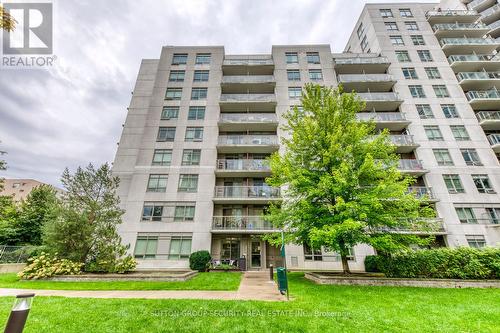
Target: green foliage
{"x":199,"y":261}
{"x":443,"y":263}
{"x":18,"y":254}
{"x":120,"y":265}
{"x":47,"y":265}
{"x":225,"y":267}
{"x":371,"y":264}
{"x":342,"y":182}
{"x":9,"y":213}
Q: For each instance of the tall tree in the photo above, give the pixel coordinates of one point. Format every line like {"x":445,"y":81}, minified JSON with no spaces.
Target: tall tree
{"x":7,"y":22}
{"x":341,"y":181}
{"x":85,"y":230}
{"x":9,"y":214}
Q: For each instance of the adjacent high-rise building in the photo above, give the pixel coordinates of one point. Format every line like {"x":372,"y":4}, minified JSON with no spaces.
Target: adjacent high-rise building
{"x":201,"y":124}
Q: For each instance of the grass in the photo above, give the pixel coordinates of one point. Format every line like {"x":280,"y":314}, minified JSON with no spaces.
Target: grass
{"x":202,"y":281}
{"x":314,"y":308}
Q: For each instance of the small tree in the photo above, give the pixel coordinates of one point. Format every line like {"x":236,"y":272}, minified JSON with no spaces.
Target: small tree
{"x":9,"y":214}
{"x":341,"y":180}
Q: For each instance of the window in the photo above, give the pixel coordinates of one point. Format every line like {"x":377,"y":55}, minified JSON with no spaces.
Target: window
{"x":294,"y":92}
{"x":188,"y":183}
{"x":494,"y":215}
{"x":315,"y":75}
{"x":198,"y":93}
{"x":440,"y":90}
{"x":360,"y":30}
{"x":417,"y":91}
{"x":409,"y":73}
{"x":424,"y":55}
{"x":145,"y":247}
{"x":403,"y":56}
{"x":482,"y":183}
{"x":166,"y":134}
{"x":364,"y":43}
{"x":471,"y":157}
{"x":459,"y":133}
{"x":476,"y":241}
{"x":391,"y":26}
{"x":191,"y":156}
{"x":196,"y":113}
{"x":411,"y":25}
{"x":200,"y":76}
{"x":203,"y":58}
{"x":405,"y":12}
{"x":293,"y":75}
{"x":417,"y":40}
{"x":312,"y":57}
{"x":162,"y":157}
{"x":152,"y":212}
{"x":170,"y":112}
{"x":453,"y":183}
{"x":157,"y":183}
{"x":432,"y":73}
{"x":433,"y":133}
{"x":180,"y":248}
{"x":385,"y":13}
{"x":443,"y":157}
{"x":292,"y":58}
{"x":312,"y":254}
{"x":466,"y":215}
{"x":173,"y":94}
{"x":194,"y":134}
{"x":183,"y":213}
{"x":176,"y":76}
{"x":449,"y":111}
{"x":396,"y":40}
{"x":179,"y":59}
{"x":424,"y":111}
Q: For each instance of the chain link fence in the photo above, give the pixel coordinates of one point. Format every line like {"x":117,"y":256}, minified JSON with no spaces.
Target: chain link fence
{"x":15,"y":254}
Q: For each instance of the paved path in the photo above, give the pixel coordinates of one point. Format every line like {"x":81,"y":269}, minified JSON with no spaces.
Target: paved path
{"x":254,"y":286}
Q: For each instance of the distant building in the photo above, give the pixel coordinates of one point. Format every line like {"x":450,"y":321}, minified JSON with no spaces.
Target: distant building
{"x":20,"y":188}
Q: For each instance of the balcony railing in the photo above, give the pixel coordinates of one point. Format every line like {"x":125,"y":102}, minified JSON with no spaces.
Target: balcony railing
{"x":411,"y":165}
{"x":241,"y":223}
{"x":381,"y":116}
{"x":248,"y":98}
{"x":467,"y":41}
{"x":421,"y":191}
{"x":248,"y":79}
{"x":459,"y":26}
{"x":494,"y":25}
{"x":494,"y":139}
{"x":440,"y":13}
{"x":486,"y":94}
{"x":248,"y":140}
{"x":243,"y":165}
{"x":470,"y":57}
{"x":490,"y":11}
{"x":478,"y":76}
{"x":488,"y":115}
{"x":247,"y":62}
{"x":361,"y":60}
{"x":379,"y":96}
{"x":242,"y":192}
{"x":473,"y":4}
{"x":365,"y":78}
{"x":402,"y":140}
{"x":248,"y":118}
{"x":421,"y":225}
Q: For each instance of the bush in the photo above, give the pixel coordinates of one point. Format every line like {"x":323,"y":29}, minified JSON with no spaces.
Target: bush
{"x":371,"y":264}
{"x":47,"y":265}
{"x":199,"y":261}
{"x":444,"y":263}
{"x":120,"y":266}
{"x":226,"y":267}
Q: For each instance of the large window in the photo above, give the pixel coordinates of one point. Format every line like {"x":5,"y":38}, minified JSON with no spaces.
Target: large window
{"x":191,"y":156}
{"x":453,"y":183}
{"x":449,"y":111}
{"x":459,"y":132}
{"x":157,"y":183}
{"x":417,"y":40}
{"x":194,"y":134}
{"x":494,"y":215}
{"x":315,"y":75}
{"x":476,"y":241}
{"x":166,"y":134}
{"x":411,"y":25}
{"x":417,"y":91}
{"x":432,"y":73}
{"x":203,"y":58}
{"x":179,"y":59}
{"x":405,"y":12}
{"x":385,"y":13}
{"x":409,"y":73}
{"x":201,"y":76}
{"x":294,"y":92}
{"x":396,"y":40}
{"x":360,"y":30}
{"x":196,"y":113}
{"x":162,"y":157}
{"x":168,"y":211}
{"x":145,"y":247}
{"x":152,"y":212}
{"x":184,"y":213}
{"x":188,"y":183}
{"x":466,"y":215}
{"x":293,"y":74}
{"x":170,"y":112}
{"x":440,"y":90}
{"x":312,"y":57}
{"x":292,"y":58}
{"x":180,"y":248}
{"x":433,"y":133}
{"x":391,"y":26}
{"x":198,"y":93}
{"x":424,"y":111}
{"x":176,"y":76}
{"x":483,"y":183}
{"x":443,"y":157}
{"x":173,"y":94}
{"x":471,"y":157}
{"x":424,"y":55}
{"x":312,"y":254}
{"x":403,"y":56}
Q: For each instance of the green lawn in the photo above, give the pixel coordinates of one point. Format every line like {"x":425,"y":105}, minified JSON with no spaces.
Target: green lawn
{"x":202,"y":281}
{"x":315,"y":308}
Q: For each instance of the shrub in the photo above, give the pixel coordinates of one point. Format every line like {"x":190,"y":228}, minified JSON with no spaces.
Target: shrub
{"x":47,"y":265}
{"x":371,"y":264}
{"x":444,"y":263}
{"x":226,"y":267}
{"x":120,"y":265}
{"x":199,"y":261}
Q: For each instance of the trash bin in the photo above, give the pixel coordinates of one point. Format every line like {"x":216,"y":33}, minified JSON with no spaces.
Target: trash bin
{"x":242,"y":263}
{"x":282,"y":282}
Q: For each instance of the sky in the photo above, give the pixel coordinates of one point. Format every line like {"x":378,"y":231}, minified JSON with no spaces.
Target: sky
{"x":72,"y":114}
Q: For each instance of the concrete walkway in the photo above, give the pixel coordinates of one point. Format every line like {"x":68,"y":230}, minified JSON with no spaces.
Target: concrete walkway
{"x":254,"y":286}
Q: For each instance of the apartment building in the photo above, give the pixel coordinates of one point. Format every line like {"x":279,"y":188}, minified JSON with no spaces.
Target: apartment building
{"x":201,"y":123}
{"x":19,"y":189}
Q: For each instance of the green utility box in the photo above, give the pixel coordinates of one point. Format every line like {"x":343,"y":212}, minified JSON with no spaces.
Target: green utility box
{"x":282,"y":281}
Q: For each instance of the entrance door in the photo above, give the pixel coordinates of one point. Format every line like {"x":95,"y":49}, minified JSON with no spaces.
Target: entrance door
{"x":256,"y":255}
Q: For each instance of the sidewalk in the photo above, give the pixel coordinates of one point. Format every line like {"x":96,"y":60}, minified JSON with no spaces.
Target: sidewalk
{"x":254,"y":286}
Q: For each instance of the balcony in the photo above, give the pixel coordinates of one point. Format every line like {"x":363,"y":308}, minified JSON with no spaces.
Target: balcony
{"x":243,"y":168}
{"x":245,"y":65}
{"x":494,"y":140}
{"x":248,"y":121}
{"x":412,"y":167}
{"x":247,"y":143}
{"x":394,"y":121}
{"x":473,"y":62}
{"x":246,"y":194}
{"x":478,"y":80}
{"x":418,"y":226}
{"x":242,"y":224}
{"x":381,"y":101}
{"x":460,"y":29}
{"x":468,"y":45}
{"x":252,"y":84}
{"x":361,"y":65}
{"x":451,"y":16}
{"x":404,"y":143}
{"x":480,"y":5}
{"x":247,"y":102}
{"x":494,"y":29}
{"x":491,"y":14}
{"x":483,"y":99}
{"x":489,"y":120}
{"x":366,"y":82}
{"x":423,"y":191}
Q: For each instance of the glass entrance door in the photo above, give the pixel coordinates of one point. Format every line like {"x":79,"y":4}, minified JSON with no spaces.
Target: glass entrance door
{"x":256,"y":254}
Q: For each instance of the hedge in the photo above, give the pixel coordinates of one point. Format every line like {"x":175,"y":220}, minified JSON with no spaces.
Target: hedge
{"x":443,"y":263}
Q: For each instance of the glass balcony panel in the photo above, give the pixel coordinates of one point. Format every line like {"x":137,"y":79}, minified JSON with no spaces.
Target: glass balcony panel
{"x":467,"y":41}
{"x":486,"y":94}
{"x":478,"y":76}
{"x":248,"y":139}
{"x":361,"y":60}
{"x":241,"y":223}
{"x":494,"y":139}
{"x":365,"y":77}
{"x":248,"y":117}
{"x":247,"y":192}
{"x":410,"y":164}
{"x":381,"y":116}
{"x":247,"y":98}
{"x":402,"y":139}
{"x":379,"y":96}
{"x":458,"y":26}
{"x":488,"y":115}
{"x":248,"y":78}
{"x":421,"y":191}
{"x":243,"y":164}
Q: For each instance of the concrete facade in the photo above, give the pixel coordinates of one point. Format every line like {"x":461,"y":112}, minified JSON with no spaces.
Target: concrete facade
{"x":21,"y":188}
{"x":246,"y":96}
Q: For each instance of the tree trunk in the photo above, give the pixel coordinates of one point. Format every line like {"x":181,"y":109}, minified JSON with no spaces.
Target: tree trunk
{"x":345,"y":264}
